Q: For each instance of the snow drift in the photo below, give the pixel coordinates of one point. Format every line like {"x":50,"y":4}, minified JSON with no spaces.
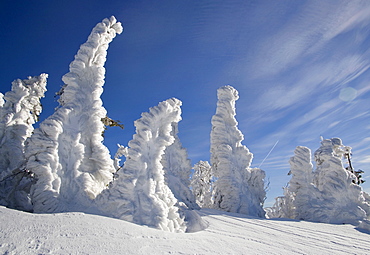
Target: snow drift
{"x":227,"y":233}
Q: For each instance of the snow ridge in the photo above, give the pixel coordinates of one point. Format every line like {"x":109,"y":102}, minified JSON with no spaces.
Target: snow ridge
{"x":66,"y":152}
{"x":238,"y":187}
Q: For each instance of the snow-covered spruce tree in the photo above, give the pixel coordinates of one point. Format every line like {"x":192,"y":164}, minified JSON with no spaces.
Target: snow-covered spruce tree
{"x":305,"y":196}
{"x":177,"y":169}
{"x":238,"y":187}
{"x":66,"y":153}
{"x":201,"y":184}
{"x":140,"y":193}
{"x":283,"y":206}
{"x":18,"y":113}
{"x":342,"y":201}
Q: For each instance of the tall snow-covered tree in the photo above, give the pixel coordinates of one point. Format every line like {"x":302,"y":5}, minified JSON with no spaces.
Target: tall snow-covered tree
{"x":201,"y":184}
{"x":177,"y":169}
{"x":305,"y":196}
{"x":238,"y":188}
{"x":140,"y":193}
{"x":18,"y":113}
{"x":342,"y":201}
{"x":66,"y":152}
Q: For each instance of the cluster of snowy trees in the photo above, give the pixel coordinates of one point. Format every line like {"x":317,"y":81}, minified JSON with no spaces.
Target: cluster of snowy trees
{"x":63,"y":165}
{"x":330,"y":194}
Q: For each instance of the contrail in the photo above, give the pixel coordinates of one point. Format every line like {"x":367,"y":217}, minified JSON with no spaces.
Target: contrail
{"x":268,"y":154}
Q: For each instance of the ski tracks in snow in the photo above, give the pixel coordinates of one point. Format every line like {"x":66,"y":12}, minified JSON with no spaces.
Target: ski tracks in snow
{"x":283,"y":236}
{"x":227,"y":233}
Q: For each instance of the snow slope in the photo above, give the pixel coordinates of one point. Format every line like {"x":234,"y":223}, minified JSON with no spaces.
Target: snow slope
{"x":227,"y":233}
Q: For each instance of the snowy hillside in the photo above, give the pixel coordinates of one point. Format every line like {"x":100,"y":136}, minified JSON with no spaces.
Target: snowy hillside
{"x":227,"y":233}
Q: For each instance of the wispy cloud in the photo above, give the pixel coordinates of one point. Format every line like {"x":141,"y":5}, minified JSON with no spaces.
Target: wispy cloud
{"x":308,"y":32}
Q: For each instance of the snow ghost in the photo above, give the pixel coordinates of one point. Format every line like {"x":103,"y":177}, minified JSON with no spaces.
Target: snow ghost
{"x":140,"y":193}
{"x":238,"y":188}
{"x":18,"y":113}
{"x":66,"y":152}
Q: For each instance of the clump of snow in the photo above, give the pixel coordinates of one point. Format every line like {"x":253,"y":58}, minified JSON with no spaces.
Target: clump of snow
{"x":121,"y":151}
{"x":66,"y":153}
{"x":2,"y":102}
{"x":18,"y":113}
{"x":238,"y":187}
{"x":140,"y":193}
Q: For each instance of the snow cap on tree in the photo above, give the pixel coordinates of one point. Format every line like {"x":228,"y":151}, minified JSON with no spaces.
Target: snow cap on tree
{"x":238,"y":188}
{"x":18,"y":112}
{"x":66,"y":152}
{"x":140,"y":193}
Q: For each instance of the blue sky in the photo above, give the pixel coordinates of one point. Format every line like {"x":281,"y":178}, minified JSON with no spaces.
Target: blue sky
{"x":301,"y":68}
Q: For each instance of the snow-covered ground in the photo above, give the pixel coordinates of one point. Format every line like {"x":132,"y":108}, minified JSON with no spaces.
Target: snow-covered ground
{"x":227,"y":233}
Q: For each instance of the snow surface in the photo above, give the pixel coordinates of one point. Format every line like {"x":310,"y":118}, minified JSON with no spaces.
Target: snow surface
{"x":227,"y":233}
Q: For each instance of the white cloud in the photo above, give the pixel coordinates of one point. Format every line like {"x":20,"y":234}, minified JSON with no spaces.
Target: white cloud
{"x":306,"y":34}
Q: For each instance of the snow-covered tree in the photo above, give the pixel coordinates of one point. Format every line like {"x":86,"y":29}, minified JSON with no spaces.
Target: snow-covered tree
{"x":140,"y":193}
{"x":283,"y":206}
{"x":238,"y":187}
{"x":201,"y":184}
{"x":18,"y":113}
{"x":66,"y":152}
{"x":342,"y":201}
{"x":177,"y":168}
{"x":305,"y":196}
{"x":326,"y":195}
